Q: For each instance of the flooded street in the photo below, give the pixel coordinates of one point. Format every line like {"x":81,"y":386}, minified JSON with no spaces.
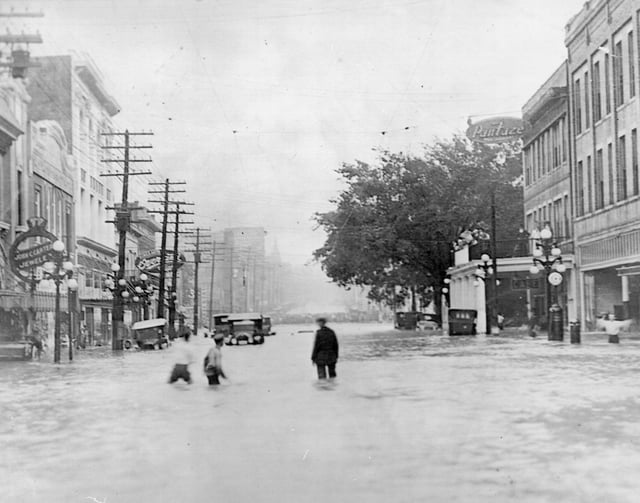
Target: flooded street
{"x":411,"y":418}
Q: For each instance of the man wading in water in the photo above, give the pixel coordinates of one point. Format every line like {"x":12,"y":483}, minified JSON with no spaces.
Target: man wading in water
{"x":213,"y":362}
{"x":325,"y":350}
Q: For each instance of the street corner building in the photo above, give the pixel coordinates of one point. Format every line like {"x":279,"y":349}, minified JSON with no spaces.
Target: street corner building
{"x":603,"y":47}
{"x":581,"y":182}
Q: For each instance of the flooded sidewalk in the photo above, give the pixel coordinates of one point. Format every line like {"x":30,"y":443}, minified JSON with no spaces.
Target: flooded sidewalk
{"x":412,"y":417}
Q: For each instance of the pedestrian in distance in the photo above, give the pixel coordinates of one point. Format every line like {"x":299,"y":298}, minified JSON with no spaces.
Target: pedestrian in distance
{"x":184,"y":358}
{"x":325,"y":350}
{"x":213,"y":362}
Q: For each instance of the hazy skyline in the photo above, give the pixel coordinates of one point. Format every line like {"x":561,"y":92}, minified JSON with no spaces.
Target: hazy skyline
{"x":255,"y":104}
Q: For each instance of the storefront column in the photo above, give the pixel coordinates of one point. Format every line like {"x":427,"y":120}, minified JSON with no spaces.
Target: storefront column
{"x":481,"y":304}
{"x":625,"y":295}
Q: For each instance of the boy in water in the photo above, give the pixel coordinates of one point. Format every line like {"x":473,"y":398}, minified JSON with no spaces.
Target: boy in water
{"x":213,"y":362}
{"x":184,"y":358}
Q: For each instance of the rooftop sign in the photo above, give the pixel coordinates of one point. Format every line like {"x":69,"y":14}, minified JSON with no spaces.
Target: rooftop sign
{"x":496,"y":130}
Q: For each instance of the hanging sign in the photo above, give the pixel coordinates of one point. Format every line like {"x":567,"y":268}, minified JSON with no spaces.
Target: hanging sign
{"x":31,"y":249}
{"x":151,"y":262}
{"x":496,"y":131}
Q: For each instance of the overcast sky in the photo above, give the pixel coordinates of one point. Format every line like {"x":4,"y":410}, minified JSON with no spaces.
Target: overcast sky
{"x":256,"y":102}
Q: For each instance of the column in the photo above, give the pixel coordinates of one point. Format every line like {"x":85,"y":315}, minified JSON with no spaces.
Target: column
{"x":625,"y":295}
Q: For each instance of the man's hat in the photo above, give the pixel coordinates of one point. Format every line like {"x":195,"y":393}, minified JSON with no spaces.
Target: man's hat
{"x":321,"y":320}
{"x":218,"y":337}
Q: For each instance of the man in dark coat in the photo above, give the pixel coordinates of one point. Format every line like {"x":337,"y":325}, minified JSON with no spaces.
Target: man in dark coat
{"x":325,"y":350}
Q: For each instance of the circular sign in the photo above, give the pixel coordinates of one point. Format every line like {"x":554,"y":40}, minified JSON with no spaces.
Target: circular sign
{"x":31,"y":249}
{"x":555,"y":278}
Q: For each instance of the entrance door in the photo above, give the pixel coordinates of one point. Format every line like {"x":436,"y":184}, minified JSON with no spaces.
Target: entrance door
{"x":90,"y":322}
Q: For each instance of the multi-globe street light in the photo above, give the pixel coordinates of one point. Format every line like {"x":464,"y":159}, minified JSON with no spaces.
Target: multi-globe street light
{"x":60,"y":269}
{"x":547,"y":257}
{"x":137,"y":291}
{"x":483,"y":272}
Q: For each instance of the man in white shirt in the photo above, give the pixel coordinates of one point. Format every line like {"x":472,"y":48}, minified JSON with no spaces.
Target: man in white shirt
{"x":213,"y":362}
{"x":184,"y":358}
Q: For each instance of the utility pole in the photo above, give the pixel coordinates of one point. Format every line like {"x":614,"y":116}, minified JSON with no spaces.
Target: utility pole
{"x":175,"y":265}
{"x":197,"y":260}
{"x":166,"y":191}
{"x":213,"y":268}
{"x":123,"y":224}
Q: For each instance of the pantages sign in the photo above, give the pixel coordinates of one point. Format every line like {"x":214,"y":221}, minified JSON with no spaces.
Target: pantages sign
{"x":150,"y":263}
{"x":496,"y":130}
{"x":31,"y":249}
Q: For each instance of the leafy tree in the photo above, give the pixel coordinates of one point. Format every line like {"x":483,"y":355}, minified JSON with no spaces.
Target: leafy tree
{"x":394,"y":224}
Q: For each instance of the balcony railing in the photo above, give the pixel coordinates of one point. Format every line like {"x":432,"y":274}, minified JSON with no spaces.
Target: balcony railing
{"x":515,"y":248}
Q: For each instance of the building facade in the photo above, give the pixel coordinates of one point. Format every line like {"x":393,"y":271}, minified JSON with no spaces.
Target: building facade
{"x":70,"y":90}
{"x":546,"y":161}
{"x":604,"y":81}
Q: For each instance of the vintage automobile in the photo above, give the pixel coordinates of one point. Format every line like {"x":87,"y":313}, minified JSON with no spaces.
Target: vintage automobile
{"x":406,"y":320}
{"x":148,"y":334}
{"x":247,"y":328}
{"x":266,"y":326}
{"x":221,"y":324}
{"x":427,"y":321}
{"x":462,"y":321}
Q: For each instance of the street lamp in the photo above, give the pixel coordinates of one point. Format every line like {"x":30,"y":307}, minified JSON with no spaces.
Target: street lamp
{"x":547,"y":257}
{"x":134,"y":291}
{"x":483,"y":271}
{"x":58,"y":270}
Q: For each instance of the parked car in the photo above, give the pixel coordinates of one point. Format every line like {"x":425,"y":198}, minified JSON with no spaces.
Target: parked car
{"x":462,"y":321}
{"x":428,"y":321}
{"x":148,"y":334}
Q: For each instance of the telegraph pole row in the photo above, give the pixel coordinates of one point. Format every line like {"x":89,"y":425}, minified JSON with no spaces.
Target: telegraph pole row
{"x":176,"y":263}
{"x":166,"y":191}
{"x":122,"y":222}
{"x":197,"y":260}
{"x":166,"y":212}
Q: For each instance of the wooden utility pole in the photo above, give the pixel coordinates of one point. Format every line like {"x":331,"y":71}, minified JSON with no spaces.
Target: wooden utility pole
{"x":166,"y":191}
{"x":123,"y":224}
{"x":173,"y":298}
{"x":213,"y":268}
{"x":197,"y":260}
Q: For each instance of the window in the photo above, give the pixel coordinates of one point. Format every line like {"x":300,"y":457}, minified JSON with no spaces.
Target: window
{"x":20,"y":200}
{"x":622,"y":168}
{"x":610,"y":170}
{"x":589,"y":186}
{"x":597,"y":92}
{"x":37,"y":201}
{"x":567,"y":222}
{"x":607,"y":83}
{"x":618,"y":76}
{"x":577,"y":106}
{"x":599,"y":179}
{"x":587,"y":114}
{"x":564,"y":139}
{"x":632,"y":66}
{"x":580,"y":189}
{"x":634,"y":161}
{"x":83,"y":175}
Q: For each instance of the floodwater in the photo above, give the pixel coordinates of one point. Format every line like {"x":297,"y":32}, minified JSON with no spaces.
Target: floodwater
{"x":411,"y":418}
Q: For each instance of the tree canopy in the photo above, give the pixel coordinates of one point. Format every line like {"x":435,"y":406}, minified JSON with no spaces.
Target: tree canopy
{"x":394,"y":224}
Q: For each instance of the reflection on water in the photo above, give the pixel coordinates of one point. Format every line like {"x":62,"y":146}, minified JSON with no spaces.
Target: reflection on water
{"x":412,"y":417}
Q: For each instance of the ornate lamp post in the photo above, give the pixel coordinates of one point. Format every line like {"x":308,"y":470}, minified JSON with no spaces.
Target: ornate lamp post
{"x":136,"y":291}
{"x":483,"y":272}
{"x":547,"y":257}
{"x":59,"y":270}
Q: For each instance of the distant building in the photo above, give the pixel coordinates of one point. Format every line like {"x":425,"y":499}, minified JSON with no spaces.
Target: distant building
{"x":243,"y":270}
{"x":70,"y":90}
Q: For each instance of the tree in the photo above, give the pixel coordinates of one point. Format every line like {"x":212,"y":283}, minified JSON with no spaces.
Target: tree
{"x":394,"y":224}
